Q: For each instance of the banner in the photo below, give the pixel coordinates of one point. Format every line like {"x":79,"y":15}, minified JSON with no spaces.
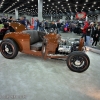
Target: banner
{"x":32,"y":20}
{"x":81,"y":15}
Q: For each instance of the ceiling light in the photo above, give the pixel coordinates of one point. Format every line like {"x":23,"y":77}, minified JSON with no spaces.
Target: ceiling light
{"x":86,"y":0}
{"x":58,"y":2}
{"x":85,"y":4}
{"x":49,"y":0}
{"x":66,"y":0}
{"x":94,"y":2}
{"x":76,"y":2}
{"x":28,"y":2}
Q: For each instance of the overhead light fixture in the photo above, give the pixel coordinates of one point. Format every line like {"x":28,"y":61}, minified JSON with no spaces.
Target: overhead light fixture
{"x":94,"y":2}
{"x":58,"y":1}
{"x":85,"y":4}
{"x":86,"y":0}
{"x":76,"y":2}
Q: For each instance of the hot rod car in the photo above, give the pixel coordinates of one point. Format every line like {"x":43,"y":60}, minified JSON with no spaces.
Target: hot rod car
{"x":46,"y":45}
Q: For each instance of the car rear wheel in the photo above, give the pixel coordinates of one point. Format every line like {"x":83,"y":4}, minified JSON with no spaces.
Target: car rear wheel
{"x":9,"y":49}
{"x":78,"y":61}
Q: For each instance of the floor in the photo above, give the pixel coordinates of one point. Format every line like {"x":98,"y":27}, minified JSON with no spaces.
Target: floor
{"x":31,"y":78}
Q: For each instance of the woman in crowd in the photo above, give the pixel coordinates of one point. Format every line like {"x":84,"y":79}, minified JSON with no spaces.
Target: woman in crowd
{"x":89,"y":34}
{"x":96,"y":36}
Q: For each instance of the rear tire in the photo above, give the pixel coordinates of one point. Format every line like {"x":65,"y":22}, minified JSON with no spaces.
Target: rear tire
{"x":9,"y":49}
{"x":78,"y":61}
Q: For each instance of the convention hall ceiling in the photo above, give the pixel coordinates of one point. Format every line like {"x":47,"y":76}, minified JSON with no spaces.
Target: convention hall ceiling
{"x":30,"y":7}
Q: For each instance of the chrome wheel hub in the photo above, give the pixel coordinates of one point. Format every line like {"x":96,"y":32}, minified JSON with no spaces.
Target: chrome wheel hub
{"x":6,"y":49}
{"x":77,"y":63}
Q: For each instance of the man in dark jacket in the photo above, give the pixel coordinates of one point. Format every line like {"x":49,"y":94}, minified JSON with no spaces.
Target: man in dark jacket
{"x":96,"y":36}
{"x":58,"y":26}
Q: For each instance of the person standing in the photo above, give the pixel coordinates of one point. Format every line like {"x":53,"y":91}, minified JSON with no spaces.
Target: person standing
{"x":84,"y":29}
{"x":58,"y":26}
{"x":35,"y":25}
{"x":96,"y":36}
{"x":89,"y":34}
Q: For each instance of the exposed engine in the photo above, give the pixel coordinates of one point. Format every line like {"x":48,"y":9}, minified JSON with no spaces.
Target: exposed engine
{"x":68,"y":46}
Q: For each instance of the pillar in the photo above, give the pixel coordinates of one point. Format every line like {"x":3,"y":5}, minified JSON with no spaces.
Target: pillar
{"x":16,"y":13}
{"x":40,"y":9}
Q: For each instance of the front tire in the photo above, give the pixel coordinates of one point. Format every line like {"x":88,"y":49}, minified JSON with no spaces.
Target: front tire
{"x":78,"y":61}
{"x":9,"y":49}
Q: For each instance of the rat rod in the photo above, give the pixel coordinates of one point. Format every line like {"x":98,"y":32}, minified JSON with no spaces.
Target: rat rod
{"x":45,"y":45}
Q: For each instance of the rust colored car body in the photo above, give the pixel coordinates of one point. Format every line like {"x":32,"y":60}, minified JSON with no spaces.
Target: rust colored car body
{"x":43,"y":45}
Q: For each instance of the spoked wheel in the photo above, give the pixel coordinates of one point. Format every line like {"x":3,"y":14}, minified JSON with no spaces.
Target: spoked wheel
{"x":9,"y":49}
{"x":78,"y":61}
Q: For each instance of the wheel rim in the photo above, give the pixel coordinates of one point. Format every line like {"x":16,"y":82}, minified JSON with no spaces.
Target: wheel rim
{"x":78,"y":62}
{"x":7,"y":49}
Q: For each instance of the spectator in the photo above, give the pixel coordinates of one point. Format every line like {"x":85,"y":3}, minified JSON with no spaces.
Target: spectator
{"x":22,"y":21}
{"x":96,"y":36}
{"x":89,"y":34}
{"x":35,"y":25}
{"x":58,"y":27}
{"x":86,"y":25}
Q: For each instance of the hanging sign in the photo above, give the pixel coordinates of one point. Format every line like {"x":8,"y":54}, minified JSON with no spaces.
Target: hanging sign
{"x":81,"y":15}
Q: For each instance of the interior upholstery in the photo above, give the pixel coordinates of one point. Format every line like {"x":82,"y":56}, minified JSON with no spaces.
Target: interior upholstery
{"x":36,"y":39}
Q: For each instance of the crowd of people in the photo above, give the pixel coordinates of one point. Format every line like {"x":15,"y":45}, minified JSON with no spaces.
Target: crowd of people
{"x":90,"y":31}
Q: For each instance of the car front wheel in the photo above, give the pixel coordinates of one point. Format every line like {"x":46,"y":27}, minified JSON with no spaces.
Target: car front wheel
{"x":78,"y":61}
